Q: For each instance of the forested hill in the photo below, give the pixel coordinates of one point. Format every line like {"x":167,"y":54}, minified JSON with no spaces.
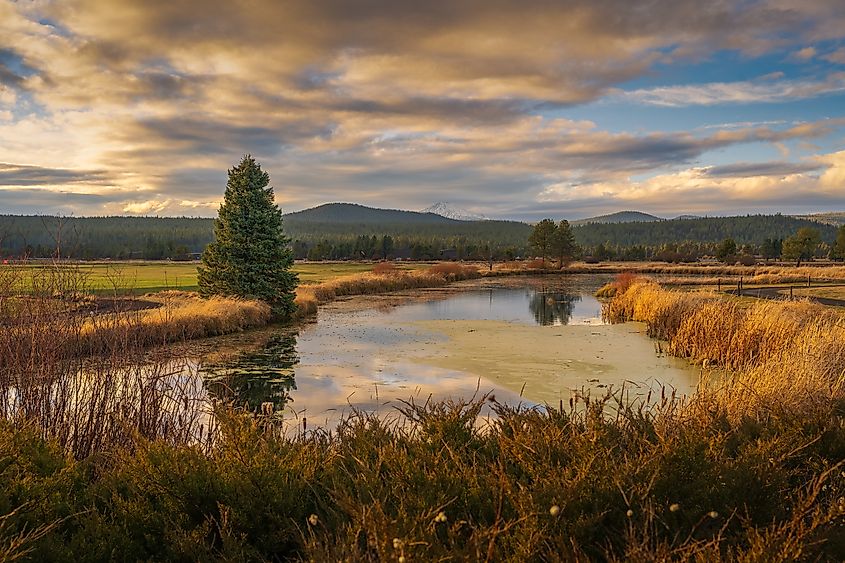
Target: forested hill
{"x":334,"y":231}
{"x":751,"y":229}
{"x":618,"y":217}
{"x":344,"y":231}
{"x":353,"y":213}
{"x":347,"y":220}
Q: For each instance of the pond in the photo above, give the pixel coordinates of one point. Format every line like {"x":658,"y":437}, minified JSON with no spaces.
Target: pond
{"x":533,"y":341}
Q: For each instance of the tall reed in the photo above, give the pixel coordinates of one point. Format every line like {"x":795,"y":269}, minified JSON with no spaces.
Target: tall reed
{"x":81,"y":379}
{"x":381,"y":280}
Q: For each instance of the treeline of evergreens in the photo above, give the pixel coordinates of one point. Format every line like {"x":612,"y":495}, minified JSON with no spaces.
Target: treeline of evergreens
{"x":155,"y":238}
{"x":750,"y":229}
{"x":150,"y":238}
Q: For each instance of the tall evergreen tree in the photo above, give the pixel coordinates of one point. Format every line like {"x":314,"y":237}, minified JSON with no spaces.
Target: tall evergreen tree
{"x":250,"y":255}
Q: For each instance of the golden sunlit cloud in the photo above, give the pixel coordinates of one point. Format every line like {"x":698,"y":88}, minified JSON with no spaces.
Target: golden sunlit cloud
{"x":143,"y":106}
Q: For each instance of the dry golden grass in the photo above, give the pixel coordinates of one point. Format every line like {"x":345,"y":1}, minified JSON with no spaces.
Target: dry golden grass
{"x":621,"y":284}
{"x":781,"y":355}
{"x":308,"y":298}
{"x":709,"y":274}
{"x":181,"y":316}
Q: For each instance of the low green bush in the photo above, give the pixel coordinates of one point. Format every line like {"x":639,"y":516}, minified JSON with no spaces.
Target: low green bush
{"x":528,"y":485}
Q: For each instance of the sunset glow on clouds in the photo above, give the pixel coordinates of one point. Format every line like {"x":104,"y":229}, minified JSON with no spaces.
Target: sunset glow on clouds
{"x":510,"y":109}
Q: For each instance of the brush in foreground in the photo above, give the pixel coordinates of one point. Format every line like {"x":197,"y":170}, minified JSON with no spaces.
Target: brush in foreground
{"x":682,"y":482}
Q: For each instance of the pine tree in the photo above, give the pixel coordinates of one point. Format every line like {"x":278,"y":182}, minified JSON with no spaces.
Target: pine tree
{"x":541,"y":238}
{"x":250,"y":255}
{"x":563,"y":244}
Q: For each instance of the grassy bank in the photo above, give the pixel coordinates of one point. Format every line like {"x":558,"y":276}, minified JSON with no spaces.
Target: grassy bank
{"x":383,"y":278}
{"x":62,"y":297}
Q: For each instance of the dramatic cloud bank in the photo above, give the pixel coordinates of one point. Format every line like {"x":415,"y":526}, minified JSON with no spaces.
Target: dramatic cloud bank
{"x":510,"y":109}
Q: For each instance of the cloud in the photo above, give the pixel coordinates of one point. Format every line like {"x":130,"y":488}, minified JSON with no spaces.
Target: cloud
{"x":145,"y":105}
{"x":23,"y":175}
{"x":746,"y":92}
{"x":738,"y":188}
{"x":837,"y":56}
{"x":805,"y":54}
{"x":28,"y":201}
{"x":752,"y":169}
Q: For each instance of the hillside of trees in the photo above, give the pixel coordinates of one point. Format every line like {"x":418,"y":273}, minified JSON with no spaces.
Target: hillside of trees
{"x":332,"y":232}
{"x":352,"y":213}
{"x":751,"y":230}
{"x":346,"y":231}
{"x":618,"y":217}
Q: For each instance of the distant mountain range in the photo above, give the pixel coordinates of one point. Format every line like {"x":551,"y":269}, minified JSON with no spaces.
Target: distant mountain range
{"x":445,"y":209}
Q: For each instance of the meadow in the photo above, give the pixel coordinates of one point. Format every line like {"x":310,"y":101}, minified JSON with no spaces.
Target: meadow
{"x":140,"y":277}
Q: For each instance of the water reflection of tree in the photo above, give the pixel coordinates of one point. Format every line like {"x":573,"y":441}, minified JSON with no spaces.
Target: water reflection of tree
{"x":552,"y":308}
{"x":255,"y":377}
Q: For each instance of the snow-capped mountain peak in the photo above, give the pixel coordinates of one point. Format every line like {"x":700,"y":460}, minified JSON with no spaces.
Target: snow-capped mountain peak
{"x":444,"y":209}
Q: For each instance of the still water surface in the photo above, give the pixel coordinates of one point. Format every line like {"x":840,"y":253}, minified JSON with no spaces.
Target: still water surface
{"x":535,"y":344}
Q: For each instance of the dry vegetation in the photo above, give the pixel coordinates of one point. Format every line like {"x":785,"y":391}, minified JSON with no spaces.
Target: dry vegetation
{"x":709,"y":274}
{"x":784,"y":355}
{"x":117,"y":464}
{"x":384,"y":277}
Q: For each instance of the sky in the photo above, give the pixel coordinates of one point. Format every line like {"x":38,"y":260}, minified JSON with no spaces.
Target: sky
{"x":513,"y":109}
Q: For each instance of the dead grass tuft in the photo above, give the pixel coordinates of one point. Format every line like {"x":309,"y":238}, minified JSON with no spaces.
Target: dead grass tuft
{"x":308,"y":298}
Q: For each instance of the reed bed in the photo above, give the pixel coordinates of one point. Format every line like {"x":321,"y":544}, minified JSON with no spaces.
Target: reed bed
{"x":180,"y":316}
{"x":780,"y":354}
{"x":710,"y":274}
{"x":81,"y":379}
{"x":381,"y":280}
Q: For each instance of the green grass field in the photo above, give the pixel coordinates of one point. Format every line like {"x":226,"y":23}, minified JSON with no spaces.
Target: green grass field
{"x":148,"y":277}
